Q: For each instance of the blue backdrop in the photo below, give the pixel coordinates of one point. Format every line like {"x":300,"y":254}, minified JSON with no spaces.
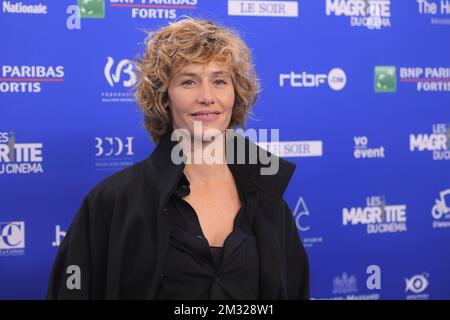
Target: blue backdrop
{"x":360,"y":91}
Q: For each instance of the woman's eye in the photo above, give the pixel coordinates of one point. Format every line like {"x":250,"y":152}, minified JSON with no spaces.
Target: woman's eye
{"x":187,"y":82}
{"x":221,"y":82}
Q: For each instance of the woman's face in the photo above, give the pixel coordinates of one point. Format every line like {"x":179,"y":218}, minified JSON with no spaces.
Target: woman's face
{"x":202,"y":93}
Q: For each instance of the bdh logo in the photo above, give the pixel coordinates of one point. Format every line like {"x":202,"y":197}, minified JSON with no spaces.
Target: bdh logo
{"x":362,"y":151}
{"x":151,"y":9}
{"x":18,"y":158}
{"x":441,"y":210}
{"x":437,"y":142}
{"x":379,"y":217}
{"x":373,"y":14}
{"x":336,"y":79}
{"x":263,"y":8}
{"x":417,"y":285}
{"x":12,"y":238}
{"x":113,"y":152}
{"x":28,"y":79}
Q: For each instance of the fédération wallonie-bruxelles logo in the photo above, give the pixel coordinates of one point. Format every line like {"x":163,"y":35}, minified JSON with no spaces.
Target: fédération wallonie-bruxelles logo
{"x":377,"y":216}
{"x":12,"y":238}
{"x":120,"y":75}
{"x":19,"y":158}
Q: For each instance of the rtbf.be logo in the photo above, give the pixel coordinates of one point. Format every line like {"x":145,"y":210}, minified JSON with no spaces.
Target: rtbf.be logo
{"x":12,"y":238}
{"x":19,"y":158}
{"x":336,"y":79}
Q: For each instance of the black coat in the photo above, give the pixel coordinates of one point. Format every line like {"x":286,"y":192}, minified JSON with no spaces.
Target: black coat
{"x":120,"y":234}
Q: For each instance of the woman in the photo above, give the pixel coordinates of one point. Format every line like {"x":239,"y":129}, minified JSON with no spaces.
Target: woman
{"x":191,"y":229}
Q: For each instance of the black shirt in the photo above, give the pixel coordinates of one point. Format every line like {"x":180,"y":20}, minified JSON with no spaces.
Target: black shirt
{"x":195,"y":270}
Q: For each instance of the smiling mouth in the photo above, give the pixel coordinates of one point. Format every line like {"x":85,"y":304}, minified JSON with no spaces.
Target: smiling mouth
{"x":205,"y":113}
{"x":206,"y":116}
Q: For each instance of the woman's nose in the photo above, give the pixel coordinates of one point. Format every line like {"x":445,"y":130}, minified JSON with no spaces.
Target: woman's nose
{"x":205,"y":95}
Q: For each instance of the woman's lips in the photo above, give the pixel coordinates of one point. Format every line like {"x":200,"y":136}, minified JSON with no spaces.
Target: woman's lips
{"x":206,"y":116}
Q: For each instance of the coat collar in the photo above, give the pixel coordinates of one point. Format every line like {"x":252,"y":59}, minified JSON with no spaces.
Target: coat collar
{"x":169,"y":173}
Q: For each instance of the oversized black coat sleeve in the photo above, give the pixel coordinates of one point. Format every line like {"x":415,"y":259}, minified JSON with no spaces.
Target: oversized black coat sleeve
{"x":85,"y":247}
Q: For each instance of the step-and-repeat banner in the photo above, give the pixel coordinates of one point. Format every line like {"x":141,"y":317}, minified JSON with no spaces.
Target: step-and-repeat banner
{"x":360,"y":90}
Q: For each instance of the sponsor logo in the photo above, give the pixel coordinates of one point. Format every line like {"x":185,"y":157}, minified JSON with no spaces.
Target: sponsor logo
{"x":29,"y":79}
{"x":12,"y":238}
{"x":19,"y":158}
{"x":336,"y":79}
{"x":92,"y":9}
{"x":362,"y":150}
{"x":385,"y":79}
{"x":372,"y":14}
{"x":290,"y":149}
{"x":377,"y":216}
{"x":345,"y":286}
{"x":427,"y":79}
{"x":154,"y":9}
{"x":438,"y":142}
{"x":264,"y":8}
{"x":13,"y":7}
{"x":301,"y":212}
{"x":439,"y":10}
{"x":121,"y":78}
{"x":416,"y":285}
{"x":441,"y":210}
{"x":113,"y":152}
{"x":59,"y":236}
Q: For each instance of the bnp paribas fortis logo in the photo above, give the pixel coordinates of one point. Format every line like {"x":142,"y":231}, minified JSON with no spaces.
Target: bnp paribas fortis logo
{"x":92,"y":9}
{"x":385,"y":79}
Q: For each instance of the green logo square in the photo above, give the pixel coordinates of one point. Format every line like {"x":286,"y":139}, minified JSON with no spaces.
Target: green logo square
{"x":385,"y":79}
{"x":92,"y":9}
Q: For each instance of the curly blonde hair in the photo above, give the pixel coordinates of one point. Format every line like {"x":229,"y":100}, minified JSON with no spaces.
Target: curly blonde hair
{"x":191,"y":41}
